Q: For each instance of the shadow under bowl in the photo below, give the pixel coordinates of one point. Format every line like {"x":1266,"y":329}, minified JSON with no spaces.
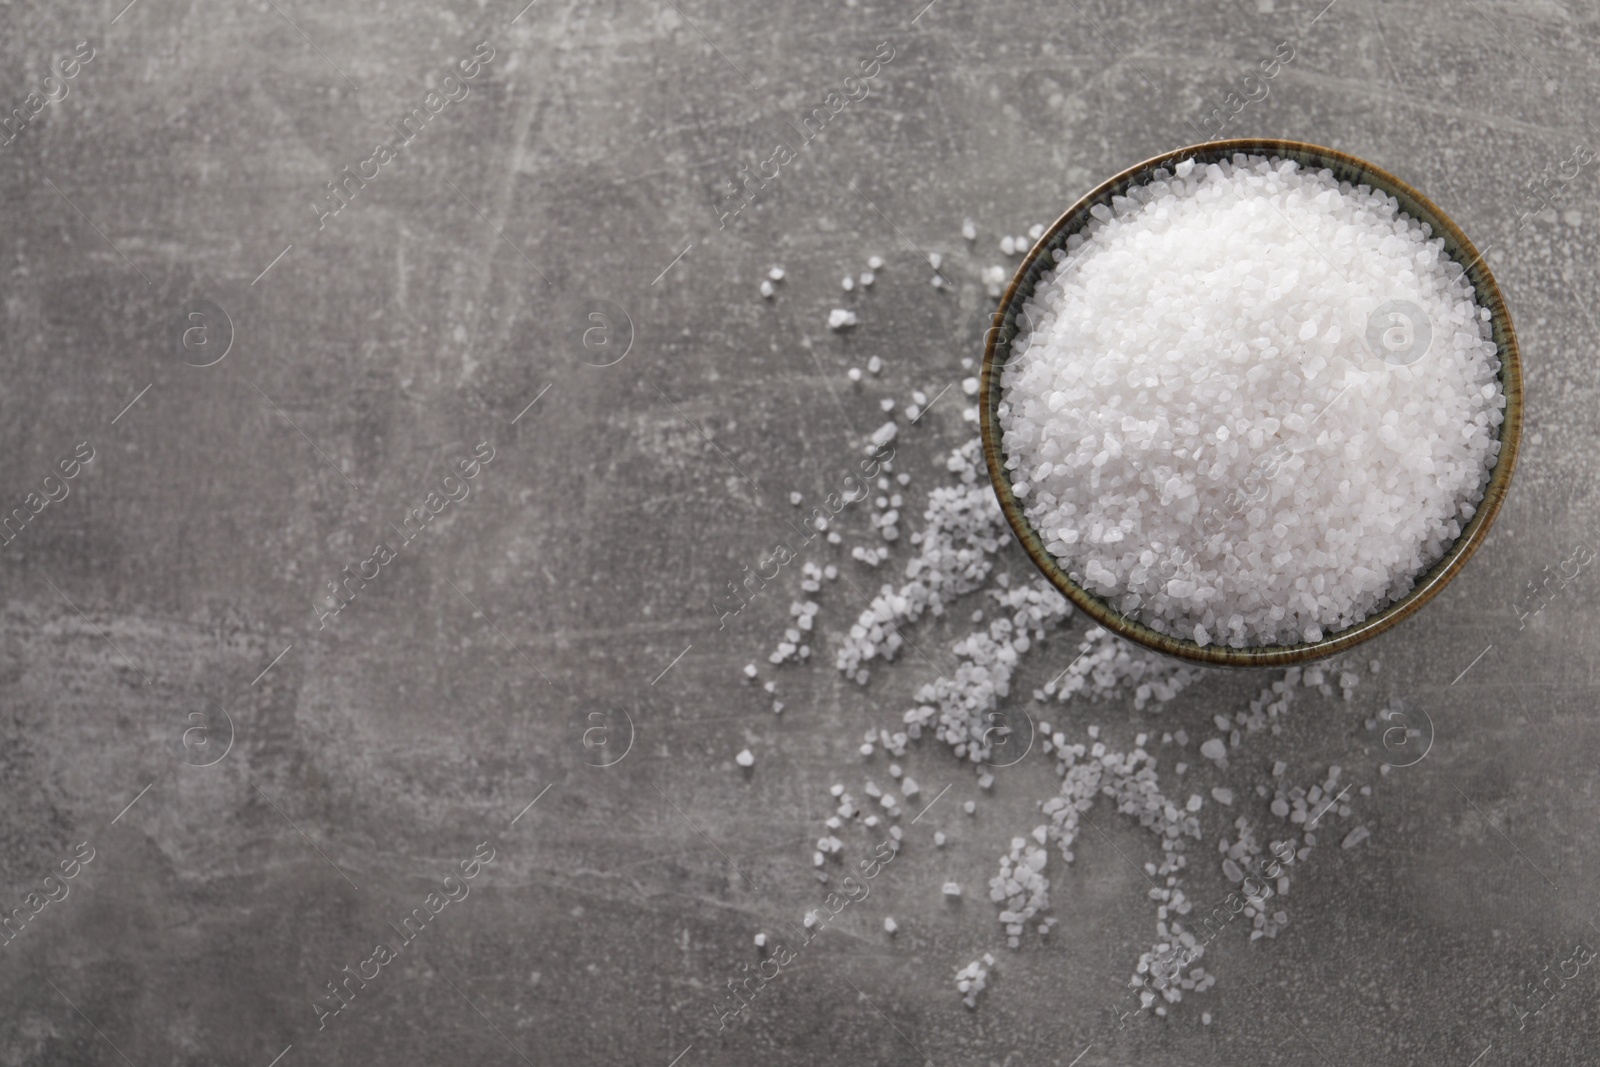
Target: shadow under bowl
{"x":1345,"y":168}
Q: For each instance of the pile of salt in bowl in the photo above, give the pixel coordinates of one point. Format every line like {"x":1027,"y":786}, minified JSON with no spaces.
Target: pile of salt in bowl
{"x":1252,"y":404}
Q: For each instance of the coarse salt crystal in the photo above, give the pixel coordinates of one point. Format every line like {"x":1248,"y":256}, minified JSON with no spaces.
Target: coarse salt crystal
{"x":1172,"y":392}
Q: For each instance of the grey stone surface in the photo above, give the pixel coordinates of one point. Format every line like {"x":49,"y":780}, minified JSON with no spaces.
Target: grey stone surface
{"x":170,"y":593}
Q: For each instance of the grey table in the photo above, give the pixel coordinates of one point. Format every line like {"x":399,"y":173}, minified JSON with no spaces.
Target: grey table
{"x":280,"y":343}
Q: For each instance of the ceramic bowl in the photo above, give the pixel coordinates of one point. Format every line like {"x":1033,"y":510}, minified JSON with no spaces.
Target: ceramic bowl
{"x":1005,"y":329}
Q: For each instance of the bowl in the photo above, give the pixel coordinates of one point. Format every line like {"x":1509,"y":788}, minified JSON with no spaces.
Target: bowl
{"x":1005,"y":329}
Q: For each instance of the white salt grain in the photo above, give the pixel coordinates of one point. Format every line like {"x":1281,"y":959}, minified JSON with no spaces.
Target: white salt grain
{"x":1166,"y":408}
{"x":745,"y":759}
{"x":840,"y":318}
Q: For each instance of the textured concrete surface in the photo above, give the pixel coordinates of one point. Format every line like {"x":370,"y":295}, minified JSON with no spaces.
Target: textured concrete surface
{"x":265,"y":796}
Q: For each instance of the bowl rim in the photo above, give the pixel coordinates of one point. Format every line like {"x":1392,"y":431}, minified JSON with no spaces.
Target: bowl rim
{"x":1346,"y":167}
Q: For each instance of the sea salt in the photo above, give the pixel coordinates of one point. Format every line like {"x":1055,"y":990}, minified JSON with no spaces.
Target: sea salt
{"x":1165,"y":410}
